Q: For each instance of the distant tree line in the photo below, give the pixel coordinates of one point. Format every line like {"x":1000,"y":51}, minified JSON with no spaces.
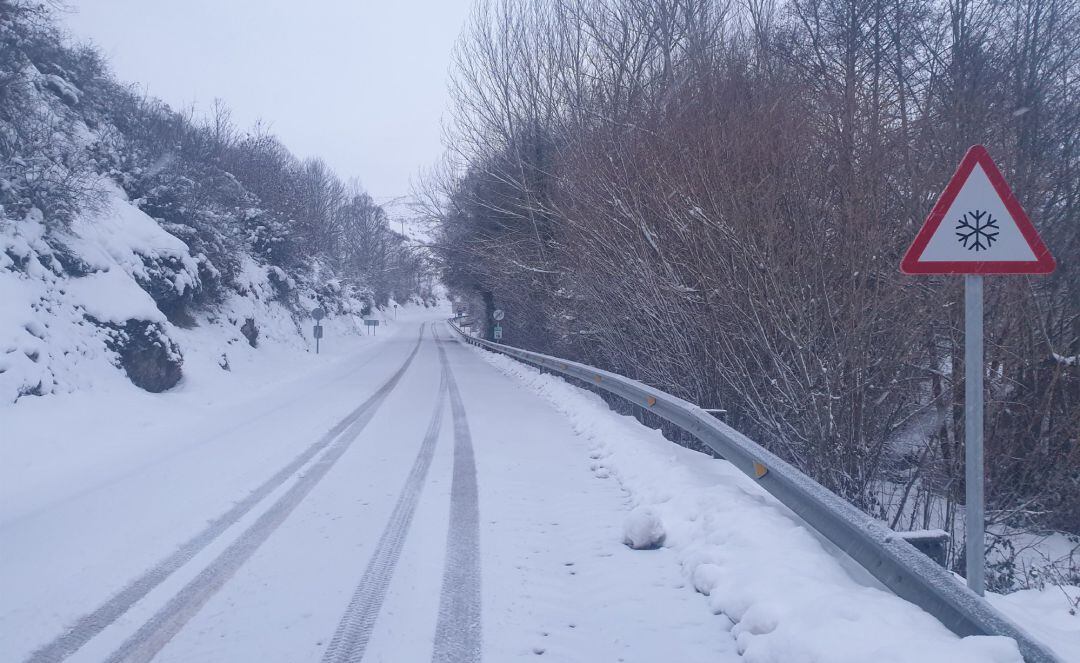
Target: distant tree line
{"x":713,"y":197}
{"x":224,"y":191}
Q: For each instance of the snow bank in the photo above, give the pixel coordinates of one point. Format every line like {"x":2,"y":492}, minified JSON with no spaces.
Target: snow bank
{"x":46,"y":343}
{"x":1051,"y":614}
{"x":789,"y":598}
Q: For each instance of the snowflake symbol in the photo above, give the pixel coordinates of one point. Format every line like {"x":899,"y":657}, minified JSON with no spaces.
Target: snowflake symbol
{"x":978,"y":232}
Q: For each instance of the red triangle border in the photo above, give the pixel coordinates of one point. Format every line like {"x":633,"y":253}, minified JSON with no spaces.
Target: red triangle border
{"x":977,"y":154}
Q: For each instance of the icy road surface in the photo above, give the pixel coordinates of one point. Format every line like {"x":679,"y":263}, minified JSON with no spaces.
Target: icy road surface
{"x":415,"y":500}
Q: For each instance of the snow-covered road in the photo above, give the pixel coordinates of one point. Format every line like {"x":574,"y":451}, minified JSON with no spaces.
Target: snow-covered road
{"x":341,"y":517}
{"x":416,"y":501}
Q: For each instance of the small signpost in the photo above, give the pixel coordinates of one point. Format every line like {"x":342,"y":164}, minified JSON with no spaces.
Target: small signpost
{"x":371,"y":325}
{"x":498,"y":332}
{"x":977,"y":227}
{"x":318,"y":314}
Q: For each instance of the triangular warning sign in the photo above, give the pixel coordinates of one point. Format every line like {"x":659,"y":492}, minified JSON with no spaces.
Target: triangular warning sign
{"x":977,"y":227}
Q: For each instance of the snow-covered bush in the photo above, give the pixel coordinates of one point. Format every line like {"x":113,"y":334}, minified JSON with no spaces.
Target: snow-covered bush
{"x":726,"y":223}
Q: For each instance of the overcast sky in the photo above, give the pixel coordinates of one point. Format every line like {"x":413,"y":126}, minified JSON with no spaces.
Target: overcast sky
{"x":361,"y":83}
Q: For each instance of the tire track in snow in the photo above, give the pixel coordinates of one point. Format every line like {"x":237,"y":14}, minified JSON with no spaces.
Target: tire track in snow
{"x":353,"y":632}
{"x":93,"y":623}
{"x":458,"y":631}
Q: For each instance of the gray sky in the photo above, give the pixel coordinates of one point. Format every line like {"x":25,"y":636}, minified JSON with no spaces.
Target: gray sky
{"x":361,"y":83}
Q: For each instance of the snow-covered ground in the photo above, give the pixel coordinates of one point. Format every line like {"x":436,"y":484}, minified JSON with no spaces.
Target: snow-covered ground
{"x":306,"y":508}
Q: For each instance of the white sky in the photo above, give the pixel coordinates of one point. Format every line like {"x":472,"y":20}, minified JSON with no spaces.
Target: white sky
{"x":361,"y":83}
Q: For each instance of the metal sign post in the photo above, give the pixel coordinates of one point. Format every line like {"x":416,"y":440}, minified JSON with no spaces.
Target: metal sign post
{"x":371,"y":325}
{"x":977,"y":227}
{"x":975,"y":508}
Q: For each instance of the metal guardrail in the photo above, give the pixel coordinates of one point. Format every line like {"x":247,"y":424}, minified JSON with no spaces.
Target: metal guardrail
{"x":881,"y":551}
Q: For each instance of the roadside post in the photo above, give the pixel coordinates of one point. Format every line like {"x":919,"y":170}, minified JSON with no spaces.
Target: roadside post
{"x":497,"y":332}
{"x":976,"y":228}
{"x":371,"y":325}
{"x":318,"y":314}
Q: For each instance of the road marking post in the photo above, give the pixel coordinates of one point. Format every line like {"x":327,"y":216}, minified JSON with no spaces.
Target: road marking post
{"x":318,"y":314}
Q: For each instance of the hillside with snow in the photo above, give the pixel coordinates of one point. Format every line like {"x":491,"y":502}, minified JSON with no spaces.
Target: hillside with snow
{"x":138,"y":242}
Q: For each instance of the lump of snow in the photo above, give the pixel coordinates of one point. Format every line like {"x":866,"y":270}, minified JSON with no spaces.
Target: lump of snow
{"x":643,"y":529}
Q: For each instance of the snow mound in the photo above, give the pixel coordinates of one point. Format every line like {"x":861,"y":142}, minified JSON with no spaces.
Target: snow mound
{"x":1051,"y":614}
{"x":643,"y":529}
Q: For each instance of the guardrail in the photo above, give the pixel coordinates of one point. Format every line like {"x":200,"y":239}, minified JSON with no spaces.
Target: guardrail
{"x":881,"y":551}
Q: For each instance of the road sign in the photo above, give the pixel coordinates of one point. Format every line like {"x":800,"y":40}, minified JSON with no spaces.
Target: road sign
{"x":371,"y":325}
{"x":499,"y":314}
{"x":498,"y":332}
{"x":977,"y":227}
{"x":318,"y":332}
{"x":318,"y":313}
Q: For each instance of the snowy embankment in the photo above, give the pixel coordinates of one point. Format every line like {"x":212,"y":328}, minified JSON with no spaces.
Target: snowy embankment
{"x":82,"y":308}
{"x":790,"y":596}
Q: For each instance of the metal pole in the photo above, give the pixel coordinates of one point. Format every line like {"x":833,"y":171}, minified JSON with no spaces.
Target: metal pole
{"x":973,"y":431}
